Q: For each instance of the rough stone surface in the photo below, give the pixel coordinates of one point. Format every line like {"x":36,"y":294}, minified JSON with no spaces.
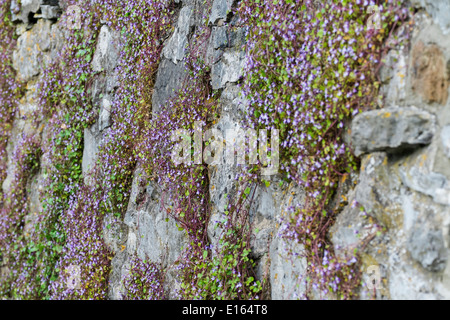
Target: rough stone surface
{"x":50,"y":12}
{"x":394,"y":73}
{"x":176,"y":45}
{"x":105,"y":113}
{"x":427,"y":247}
{"x":438,"y":10}
{"x":114,"y":233}
{"x":425,"y":183}
{"x":147,"y":232}
{"x":220,"y":10}
{"x":28,"y":58}
{"x":23,"y":10}
{"x":169,"y":79}
{"x":106,"y":53}
{"x":228,"y":69}
{"x":287,"y":270}
{"x":391,"y":129}
{"x":92,"y":141}
{"x":220,"y":39}
{"x":445,"y":138}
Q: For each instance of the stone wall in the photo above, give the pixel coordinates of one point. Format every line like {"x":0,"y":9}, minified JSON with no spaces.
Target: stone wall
{"x":395,"y":212}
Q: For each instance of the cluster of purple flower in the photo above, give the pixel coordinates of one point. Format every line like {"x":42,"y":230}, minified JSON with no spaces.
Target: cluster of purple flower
{"x":13,"y":238}
{"x":142,"y":27}
{"x":145,"y":281}
{"x":10,"y":88}
{"x":309,"y":70}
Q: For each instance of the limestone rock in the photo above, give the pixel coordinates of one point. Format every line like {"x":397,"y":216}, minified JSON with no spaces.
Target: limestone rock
{"x":438,"y":10}
{"x":28,"y":58}
{"x":22,"y":10}
{"x":105,"y":113}
{"x":427,"y":247}
{"x":220,"y":39}
{"x":287,"y":270}
{"x":92,"y":142}
{"x":176,"y":45}
{"x":445,"y":138}
{"x":107,"y":51}
{"x":220,"y":10}
{"x":152,"y":233}
{"x":228,"y":69}
{"x":169,"y":79}
{"x":120,"y":269}
{"x":114,"y":233}
{"x":392,"y":129}
{"x":50,"y":12}
{"x":394,"y":74}
{"x":237,"y":37}
{"x":158,"y":239}
{"x":425,"y":183}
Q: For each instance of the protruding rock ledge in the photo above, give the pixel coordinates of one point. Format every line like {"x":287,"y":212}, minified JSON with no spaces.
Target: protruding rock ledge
{"x":392,"y":130}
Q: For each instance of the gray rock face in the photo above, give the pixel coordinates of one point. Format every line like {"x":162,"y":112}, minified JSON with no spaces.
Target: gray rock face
{"x":176,"y":45}
{"x":442,"y":196}
{"x":438,"y":10}
{"x":445,"y":138}
{"x":287,"y":263}
{"x":228,"y":69}
{"x":219,"y":10}
{"x":23,"y":10}
{"x":427,"y":247}
{"x":157,"y":236}
{"x":287,"y":270}
{"x":160,"y":239}
{"x":237,"y":37}
{"x":392,"y":130}
{"x":92,"y":142}
{"x":34,"y":186}
{"x":50,"y":12}
{"x":169,"y":79}
{"x":120,"y":269}
{"x":32,"y":45}
{"x":425,"y":183}
{"x":106,"y":53}
{"x":27,"y":11}
{"x":350,"y":230}
{"x":105,"y":113}
{"x":219,"y":36}
{"x":147,"y":232}
{"x":394,"y":73}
